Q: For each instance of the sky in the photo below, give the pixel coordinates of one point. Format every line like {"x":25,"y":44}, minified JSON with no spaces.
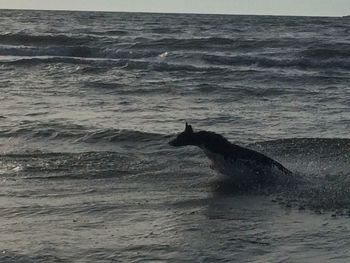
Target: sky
{"x":259,"y":7}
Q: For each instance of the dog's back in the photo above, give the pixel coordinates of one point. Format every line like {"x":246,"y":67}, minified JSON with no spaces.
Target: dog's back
{"x":217,"y":144}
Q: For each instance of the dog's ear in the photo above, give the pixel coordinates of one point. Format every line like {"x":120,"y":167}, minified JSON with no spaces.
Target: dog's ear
{"x":188,"y":128}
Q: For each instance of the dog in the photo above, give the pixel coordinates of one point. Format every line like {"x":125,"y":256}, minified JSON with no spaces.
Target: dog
{"x":244,"y":166}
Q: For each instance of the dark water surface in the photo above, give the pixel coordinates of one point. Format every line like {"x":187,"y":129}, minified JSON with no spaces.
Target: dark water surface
{"x":88,"y":102}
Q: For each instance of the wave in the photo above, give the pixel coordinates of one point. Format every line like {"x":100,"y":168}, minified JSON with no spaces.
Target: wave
{"x":317,"y":189}
{"x":24,"y":61}
{"x":75,"y":51}
{"x":44,"y":40}
{"x":190,"y":53}
{"x":266,"y":62}
{"x":219,"y":43}
{"x":39,"y":165}
{"x":329,"y":51}
{"x":217,"y":64}
{"x":110,"y":33}
{"x":186,"y":43}
{"x":67,"y":51}
{"x":102,"y":64}
{"x":78,"y":133}
{"x":140,"y":60}
{"x":332,"y":148}
{"x":167,"y":30}
{"x":113,"y":135}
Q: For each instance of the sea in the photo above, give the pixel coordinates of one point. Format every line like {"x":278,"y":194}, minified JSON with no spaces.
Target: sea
{"x":90,"y":100}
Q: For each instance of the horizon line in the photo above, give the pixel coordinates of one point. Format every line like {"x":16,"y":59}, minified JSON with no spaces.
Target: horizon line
{"x":163,"y":12}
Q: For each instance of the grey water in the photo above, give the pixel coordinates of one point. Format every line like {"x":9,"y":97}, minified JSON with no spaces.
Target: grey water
{"x":89,"y":100}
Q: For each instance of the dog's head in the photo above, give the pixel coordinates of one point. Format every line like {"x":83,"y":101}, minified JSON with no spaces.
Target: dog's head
{"x":187,"y":137}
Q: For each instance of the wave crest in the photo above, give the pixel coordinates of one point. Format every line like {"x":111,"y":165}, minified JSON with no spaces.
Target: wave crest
{"x":77,"y":133}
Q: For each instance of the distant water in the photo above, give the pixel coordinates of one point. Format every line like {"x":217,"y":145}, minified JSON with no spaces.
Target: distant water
{"x":88,"y":102}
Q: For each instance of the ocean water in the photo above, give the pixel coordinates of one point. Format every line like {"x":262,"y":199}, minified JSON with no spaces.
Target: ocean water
{"x":88,"y":102}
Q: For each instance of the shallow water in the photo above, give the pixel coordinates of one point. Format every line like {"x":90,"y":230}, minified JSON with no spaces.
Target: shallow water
{"x":88,"y":102}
